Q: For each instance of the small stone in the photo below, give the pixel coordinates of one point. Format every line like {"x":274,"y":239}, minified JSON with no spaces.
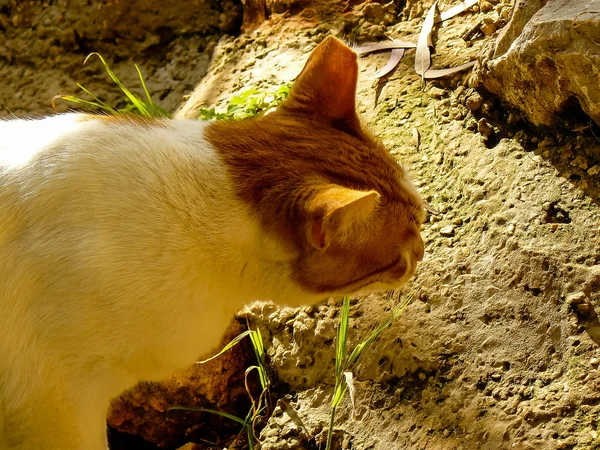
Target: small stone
{"x":374,"y":11}
{"x":484,"y":128}
{"x":474,"y":101}
{"x":436,"y":92}
{"x":485,"y":6}
{"x":594,"y":170}
{"x":576,"y":298}
{"x":488,"y":27}
{"x":447,"y":231}
{"x":505,"y":13}
{"x":584,"y":308}
{"x":594,"y":361}
{"x":580,"y":162}
{"x":390,"y":8}
{"x":458,"y":222}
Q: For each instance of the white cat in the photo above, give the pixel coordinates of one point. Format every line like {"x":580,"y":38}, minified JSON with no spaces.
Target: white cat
{"x":126,"y":245}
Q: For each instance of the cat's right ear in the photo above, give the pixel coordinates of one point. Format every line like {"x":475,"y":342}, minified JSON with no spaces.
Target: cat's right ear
{"x":334,"y":211}
{"x":326,"y":87}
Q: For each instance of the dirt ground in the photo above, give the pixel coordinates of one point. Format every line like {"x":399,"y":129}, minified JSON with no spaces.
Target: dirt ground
{"x":500,"y":348}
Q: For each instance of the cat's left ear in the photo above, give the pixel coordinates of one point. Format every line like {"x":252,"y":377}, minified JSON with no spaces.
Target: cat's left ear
{"x":335,"y":210}
{"x":326,"y":87}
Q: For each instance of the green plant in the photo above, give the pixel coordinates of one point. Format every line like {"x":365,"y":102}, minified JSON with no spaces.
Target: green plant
{"x":248,"y":104}
{"x":344,"y":363}
{"x":258,"y":405}
{"x":135,"y":105}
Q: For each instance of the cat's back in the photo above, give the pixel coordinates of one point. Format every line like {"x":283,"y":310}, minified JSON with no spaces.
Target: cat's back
{"x":77,"y":187}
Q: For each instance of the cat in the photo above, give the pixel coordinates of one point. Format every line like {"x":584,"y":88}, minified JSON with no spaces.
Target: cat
{"x":127,"y":245}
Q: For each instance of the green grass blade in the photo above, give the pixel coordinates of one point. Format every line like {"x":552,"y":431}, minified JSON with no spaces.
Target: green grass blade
{"x":144,"y":85}
{"x":211,"y":411}
{"x":73,"y":99}
{"x":132,"y":98}
{"x":330,"y":432}
{"x":231,"y":344}
{"x":105,"y":106}
{"x":399,"y":309}
{"x":262,"y":375}
{"x":342,"y":339}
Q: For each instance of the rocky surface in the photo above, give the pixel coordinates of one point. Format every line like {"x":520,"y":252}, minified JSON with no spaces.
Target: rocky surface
{"x":43,"y":45}
{"x":218,"y":384}
{"x":548,"y":61}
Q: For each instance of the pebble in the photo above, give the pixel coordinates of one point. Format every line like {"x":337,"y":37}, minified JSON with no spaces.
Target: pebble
{"x":436,"y":92}
{"x":488,"y":27}
{"x":580,"y":162}
{"x":474,"y":101}
{"x":484,"y":128}
{"x":374,"y":11}
{"x":447,"y":231}
{"x":594,"y":170}
{"x":485,"y":6}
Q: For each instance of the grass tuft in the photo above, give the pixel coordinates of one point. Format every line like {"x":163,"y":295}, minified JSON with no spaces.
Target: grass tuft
{"x":135,"y":105}
{"x":345,"y":364}
{"x":260,"y":404}
{"x":248,"y":104}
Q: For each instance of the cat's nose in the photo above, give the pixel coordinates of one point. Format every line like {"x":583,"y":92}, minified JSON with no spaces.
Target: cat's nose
{"x":419,"y":248}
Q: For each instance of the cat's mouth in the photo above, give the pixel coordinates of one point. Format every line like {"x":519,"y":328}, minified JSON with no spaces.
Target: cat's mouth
{"x":394,"y":274}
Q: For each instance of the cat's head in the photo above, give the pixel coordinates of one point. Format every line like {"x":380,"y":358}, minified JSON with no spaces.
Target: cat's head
{"x":345,"y":212}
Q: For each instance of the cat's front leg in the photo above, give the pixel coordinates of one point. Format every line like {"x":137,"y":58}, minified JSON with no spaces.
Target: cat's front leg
{"x":55,"y":423}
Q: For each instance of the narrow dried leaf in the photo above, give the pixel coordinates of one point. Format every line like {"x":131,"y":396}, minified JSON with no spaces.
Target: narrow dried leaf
{"x":416,"y":138}
{"x":395,"y":58}
{"x":439,"y":73}
{"x":350,"y":383}
{"x":423,"y":54}
{"x":456,"y":10}
{"x":385,"y":45}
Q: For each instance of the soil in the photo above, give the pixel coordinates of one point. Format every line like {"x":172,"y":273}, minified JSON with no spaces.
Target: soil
{"x":500,"y":348}
{"x":43,"y":44}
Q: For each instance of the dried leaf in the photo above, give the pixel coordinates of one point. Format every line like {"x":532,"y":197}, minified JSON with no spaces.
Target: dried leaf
{"x":350,"y":383}
{"x":456,"y":10}
{"x":423,"y":55}
{"x":439,"y":73}
{"x":385,"y":45}
{"x":395,"y":58}
{"x":416,"y":138}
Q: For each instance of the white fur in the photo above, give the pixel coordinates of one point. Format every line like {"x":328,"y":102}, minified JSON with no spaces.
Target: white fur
{"x":123,"y":256}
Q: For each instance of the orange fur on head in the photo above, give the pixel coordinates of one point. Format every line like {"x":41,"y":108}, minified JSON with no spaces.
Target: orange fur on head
{"x":323,"y":185}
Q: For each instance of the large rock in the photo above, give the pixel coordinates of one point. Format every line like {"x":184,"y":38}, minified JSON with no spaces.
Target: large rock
{"x":218,"y":384}
{"x":547,"y":58}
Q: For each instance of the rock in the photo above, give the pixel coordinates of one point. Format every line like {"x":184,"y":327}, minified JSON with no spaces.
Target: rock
{"x":485,"y":6}
{"x":576,"y":298}
{"x":484,"y":128}
{"x":218,"y":384}
{"x":436,"y":92}
{"x":548,"y":58}
{"x":594,"y":170}
{"x":581,"y":162}
{"x":374,"y":12}
{"x":447,"y":231}
{"x":474,"y":101}
{"x":488,"y":27}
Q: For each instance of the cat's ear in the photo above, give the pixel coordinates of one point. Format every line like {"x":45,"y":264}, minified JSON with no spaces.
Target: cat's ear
{"x":335,"y":210}
{"x":326,"y":87}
